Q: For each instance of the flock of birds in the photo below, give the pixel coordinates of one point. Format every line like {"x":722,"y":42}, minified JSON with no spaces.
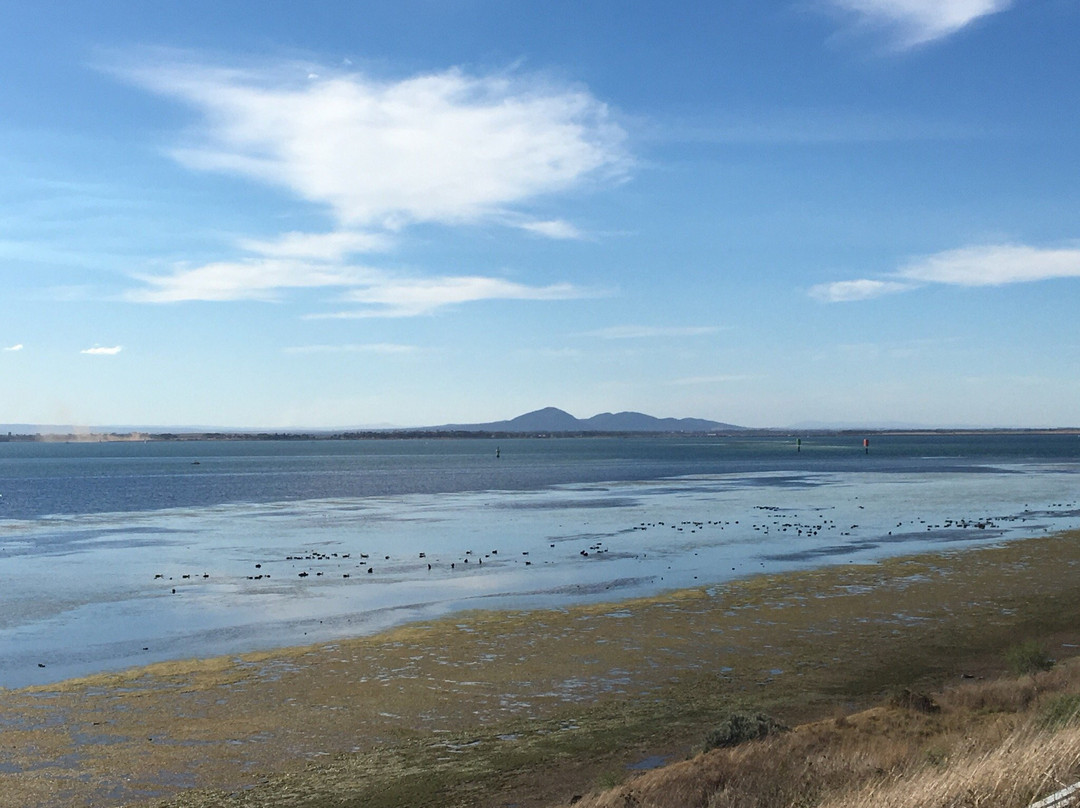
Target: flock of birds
{"x":320,"y":564}
{"x":310,"y":562}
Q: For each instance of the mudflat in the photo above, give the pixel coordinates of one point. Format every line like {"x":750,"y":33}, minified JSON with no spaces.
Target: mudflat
{"x":530,"y":707}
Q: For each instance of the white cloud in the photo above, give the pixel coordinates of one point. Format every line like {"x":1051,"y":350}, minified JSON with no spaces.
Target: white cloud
{"x":408,"y":297}
{"x":98,"y":351}
{"x":986,"y":265}
{"x":18,"y":347}
{"x":914,"y":22}
{"x":862,"y":289}
{"x":994,"y":265}
{"x":369,"y":348}
{"x":444,"y":147}
{"x":557,"y":229}
{"x":255,"y":279}
{"x":369,"y":292}
{"x":648,"y":331}
{"x":318,"y":246}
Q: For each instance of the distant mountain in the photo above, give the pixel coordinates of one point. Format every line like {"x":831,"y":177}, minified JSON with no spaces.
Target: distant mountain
{"x":552,"y":419}
{"x":545,"y":421}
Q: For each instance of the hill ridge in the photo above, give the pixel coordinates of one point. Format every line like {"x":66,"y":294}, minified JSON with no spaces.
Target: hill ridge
{"x":553,"y":419}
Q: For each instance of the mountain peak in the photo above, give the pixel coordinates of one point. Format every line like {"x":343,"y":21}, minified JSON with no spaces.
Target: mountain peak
{"x":549,"y":419}
{"x":552,"y":419}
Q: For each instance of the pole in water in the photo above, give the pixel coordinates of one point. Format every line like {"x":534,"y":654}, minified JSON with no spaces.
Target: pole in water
{"x":497,"y":455}
{"x":798,"y":444}
{"x":866,"y":445}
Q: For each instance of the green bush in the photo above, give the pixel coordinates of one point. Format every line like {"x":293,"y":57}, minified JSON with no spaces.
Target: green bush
{"x":609,"y":780}
{"x":1028,"y":658}
{"x":738,"y":728}
{"x":1059,"y":711}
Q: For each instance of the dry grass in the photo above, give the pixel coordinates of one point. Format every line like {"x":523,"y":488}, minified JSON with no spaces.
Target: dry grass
{"x":1003,"y":744}
{"x":1028,"y":765}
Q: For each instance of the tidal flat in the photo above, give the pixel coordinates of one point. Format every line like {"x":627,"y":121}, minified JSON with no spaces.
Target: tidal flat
{"x":530,"y":707}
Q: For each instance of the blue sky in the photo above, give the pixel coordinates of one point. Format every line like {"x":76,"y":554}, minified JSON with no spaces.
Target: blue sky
{"x":286,"y":214}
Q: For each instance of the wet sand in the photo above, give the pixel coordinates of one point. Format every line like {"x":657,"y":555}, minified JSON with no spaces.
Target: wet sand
{"x":487,"y":708}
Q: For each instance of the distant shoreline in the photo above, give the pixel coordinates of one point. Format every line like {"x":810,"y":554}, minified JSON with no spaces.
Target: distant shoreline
{"x":92,"y":436}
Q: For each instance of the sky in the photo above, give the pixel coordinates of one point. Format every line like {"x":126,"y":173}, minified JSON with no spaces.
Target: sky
{"x":316,"y":215}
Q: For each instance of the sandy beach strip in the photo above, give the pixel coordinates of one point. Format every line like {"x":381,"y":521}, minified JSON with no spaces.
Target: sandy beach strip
{"x":482,"y":703}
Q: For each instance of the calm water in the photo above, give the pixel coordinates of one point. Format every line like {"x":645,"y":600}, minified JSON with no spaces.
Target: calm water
{"x":113,"y":555}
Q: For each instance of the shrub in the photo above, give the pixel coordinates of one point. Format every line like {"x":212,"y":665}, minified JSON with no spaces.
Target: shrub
{"x":609,"y":780}
{"x":1028,"y":658}
{"x":738,"y":728}
{"x":917,"y":702}
{"x":1059,"y":711}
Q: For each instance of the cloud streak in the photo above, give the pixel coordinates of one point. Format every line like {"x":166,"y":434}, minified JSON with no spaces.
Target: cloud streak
{"x":332,"y":246}
{"x":409,"y":297}
{"x":861,"y":289}
{"x":995,"y":265}
{"x":910,"y":23}
{"x":367,"y":292}
{"x":252,"y":279}
{"x":555,"y":228}
{"x":99,"y":351}
{"x":984,"y":265}
{"x":14,"y":348}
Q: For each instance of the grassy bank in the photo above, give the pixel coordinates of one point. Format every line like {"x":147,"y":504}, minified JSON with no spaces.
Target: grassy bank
{"x":531,"y":708}
{"x":1004,"y":744}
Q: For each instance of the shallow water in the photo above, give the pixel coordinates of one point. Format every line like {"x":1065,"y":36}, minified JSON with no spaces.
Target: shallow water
{"x":272,"y":544}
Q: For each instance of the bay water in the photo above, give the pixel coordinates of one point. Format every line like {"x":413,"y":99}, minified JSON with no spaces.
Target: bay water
{"x":118,"y":554}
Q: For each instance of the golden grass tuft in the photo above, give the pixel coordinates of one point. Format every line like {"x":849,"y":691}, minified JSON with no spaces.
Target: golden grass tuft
{"x":1028,"y":765}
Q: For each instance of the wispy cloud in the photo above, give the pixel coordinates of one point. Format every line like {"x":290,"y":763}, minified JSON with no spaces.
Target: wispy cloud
{"x":12,"y":348}
{"x":364,"y":348}
{"x":408,"y":297}
{"x":556,"y":229}
{"x":332,"y":246}
{"x":861,"y":352}
{"x":448,"y":148}
{"x":445,"y":147}
{"x":367,"y":292}
{"x":254,"y":279}
{"x":862,"y":289}
{"x":985,"y":265}
{"x":994,"y":265}
{"x":810,"y":126}
{"x":648,"y":331}
{"x":99,"y":351}
{"x":910,"y":23}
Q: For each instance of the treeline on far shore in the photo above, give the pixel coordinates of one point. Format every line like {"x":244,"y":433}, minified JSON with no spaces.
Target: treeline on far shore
{"x":410,"y":434}
{"x":374,"y":434}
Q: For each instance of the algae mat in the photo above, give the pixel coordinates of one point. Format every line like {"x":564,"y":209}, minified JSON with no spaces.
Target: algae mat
{"x":526,"y":707}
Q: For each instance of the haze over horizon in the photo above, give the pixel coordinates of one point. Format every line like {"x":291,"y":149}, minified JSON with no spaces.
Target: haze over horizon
{"x":414,"y":213}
